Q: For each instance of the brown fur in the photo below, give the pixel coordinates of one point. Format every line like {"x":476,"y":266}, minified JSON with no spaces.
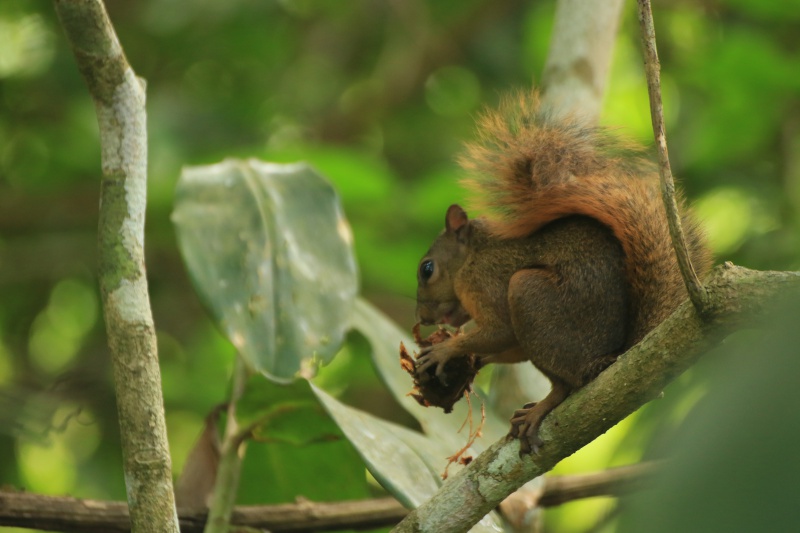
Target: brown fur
{"x":529,"y":170}
{"x":573,"y":265}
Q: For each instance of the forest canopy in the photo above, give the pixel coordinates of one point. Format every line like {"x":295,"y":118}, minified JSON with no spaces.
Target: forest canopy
{"x":378,"y":97}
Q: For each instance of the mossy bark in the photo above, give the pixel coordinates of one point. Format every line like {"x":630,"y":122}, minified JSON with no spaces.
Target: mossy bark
{"x":119,"y":98}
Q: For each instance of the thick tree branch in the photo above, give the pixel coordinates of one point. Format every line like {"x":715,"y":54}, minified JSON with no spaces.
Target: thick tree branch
{"x":697,"y":293}
{"x":119,"y":99}
{"x":735,"y":296}
{"x":70,"y":514}
{"x":582,"y":43}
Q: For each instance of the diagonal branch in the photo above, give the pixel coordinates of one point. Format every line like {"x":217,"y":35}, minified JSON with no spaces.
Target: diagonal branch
{"x":119,"y":99}
{"x":638,"y":376}
{"x":697,"y":293}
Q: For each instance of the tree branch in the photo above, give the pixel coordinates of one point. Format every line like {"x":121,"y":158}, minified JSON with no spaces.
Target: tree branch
{"x":56,"y":513}
{"x":119,"y":99}
{"x":71,"y":514}
{"x":697,"y":293}
{"x":638,"y":376}
{"x":614,"y":481}
{"x":230,"y":465}
{"x":582,"y":42}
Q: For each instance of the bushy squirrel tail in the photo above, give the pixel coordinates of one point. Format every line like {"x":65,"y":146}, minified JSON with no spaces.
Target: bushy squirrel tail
{"x":528,"y":169}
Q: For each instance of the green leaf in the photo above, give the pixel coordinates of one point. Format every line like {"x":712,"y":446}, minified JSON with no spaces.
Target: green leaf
{"x":404,"y":462}
{"x":270,"y":252}
{"x":262,"y":396}
{"x":391,"y":452}
{"x":286,"y":413}
{"x":294,"y":442}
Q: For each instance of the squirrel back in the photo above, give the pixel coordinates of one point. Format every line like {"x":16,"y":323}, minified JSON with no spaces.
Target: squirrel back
{"x":529,"y":169}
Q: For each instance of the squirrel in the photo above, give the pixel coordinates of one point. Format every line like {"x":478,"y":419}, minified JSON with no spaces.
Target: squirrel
{"x":572,"y":265}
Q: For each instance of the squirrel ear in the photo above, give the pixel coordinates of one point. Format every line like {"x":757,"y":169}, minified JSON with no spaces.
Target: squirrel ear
{"x":456,"y":218}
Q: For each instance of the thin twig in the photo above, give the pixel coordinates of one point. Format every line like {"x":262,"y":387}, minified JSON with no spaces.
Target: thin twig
{"x":230,"y":464}
{"x":119,"y":99}
{"x":697,"y":293}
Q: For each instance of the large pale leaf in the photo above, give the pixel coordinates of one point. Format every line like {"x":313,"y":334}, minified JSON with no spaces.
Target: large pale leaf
{"x":392,"y":453}
{"x":270,"y":252}
{"x":406,"y":463}
{"x":442,"y":430}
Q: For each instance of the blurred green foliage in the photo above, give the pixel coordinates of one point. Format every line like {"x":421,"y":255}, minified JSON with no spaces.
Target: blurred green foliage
{"x":379,"y":97}
{"x":733,"y":464}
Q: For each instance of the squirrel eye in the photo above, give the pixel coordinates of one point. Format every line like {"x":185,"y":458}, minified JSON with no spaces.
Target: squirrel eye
{"x":426,"y":270}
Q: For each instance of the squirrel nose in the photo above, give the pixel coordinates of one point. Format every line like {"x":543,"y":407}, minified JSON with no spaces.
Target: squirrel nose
{"x":424,"y":320}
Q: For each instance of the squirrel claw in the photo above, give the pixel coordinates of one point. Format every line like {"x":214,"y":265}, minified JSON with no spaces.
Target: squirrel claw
{"x":428,"y":357}
{"x":421,"y":367}
{"x":530,"y":445}
{"x":424,"y":363}
{"x":520,"y":413}
{"x":525,"y":427}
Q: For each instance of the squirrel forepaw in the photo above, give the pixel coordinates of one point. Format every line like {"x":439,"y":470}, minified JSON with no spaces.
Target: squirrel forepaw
{"x":430,"y":356}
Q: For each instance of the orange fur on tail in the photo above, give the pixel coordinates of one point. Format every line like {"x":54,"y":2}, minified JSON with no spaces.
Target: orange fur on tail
{"x":528,"y":169}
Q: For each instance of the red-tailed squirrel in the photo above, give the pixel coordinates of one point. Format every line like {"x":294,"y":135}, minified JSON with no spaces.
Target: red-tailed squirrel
{"x":572,"y":266}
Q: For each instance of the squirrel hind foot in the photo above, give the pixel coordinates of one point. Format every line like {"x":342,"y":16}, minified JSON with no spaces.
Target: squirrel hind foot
{"x":526,"y":421}
{"x":525,"y":427}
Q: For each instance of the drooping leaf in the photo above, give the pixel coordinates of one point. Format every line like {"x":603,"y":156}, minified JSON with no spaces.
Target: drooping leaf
{"x":406,"y":463}
{"x":442,"y":431}
{"x":389,"y":450}
{"x":270,"y":252}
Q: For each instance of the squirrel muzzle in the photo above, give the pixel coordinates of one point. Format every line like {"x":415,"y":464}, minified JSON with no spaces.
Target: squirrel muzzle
{"x":451,"y":313}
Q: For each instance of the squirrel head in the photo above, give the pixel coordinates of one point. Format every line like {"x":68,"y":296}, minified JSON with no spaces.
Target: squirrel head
{"x":437,"y":302}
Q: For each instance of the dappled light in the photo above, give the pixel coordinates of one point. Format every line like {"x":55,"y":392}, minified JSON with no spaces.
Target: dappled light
{"x":300,"y":158}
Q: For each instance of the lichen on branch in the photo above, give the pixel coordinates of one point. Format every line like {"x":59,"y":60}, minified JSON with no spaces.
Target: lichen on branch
{"x":119,"y":100}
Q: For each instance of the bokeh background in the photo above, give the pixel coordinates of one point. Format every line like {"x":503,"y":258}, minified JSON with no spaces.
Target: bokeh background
{"x":378,"y":95}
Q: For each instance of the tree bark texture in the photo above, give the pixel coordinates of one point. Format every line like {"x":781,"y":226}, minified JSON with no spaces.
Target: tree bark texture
{"x":736,"y":295}
{"x":581,"y":46}
{"x":119,"y":98}
{"x":91,"y":516}
{"x":87,"y":516}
